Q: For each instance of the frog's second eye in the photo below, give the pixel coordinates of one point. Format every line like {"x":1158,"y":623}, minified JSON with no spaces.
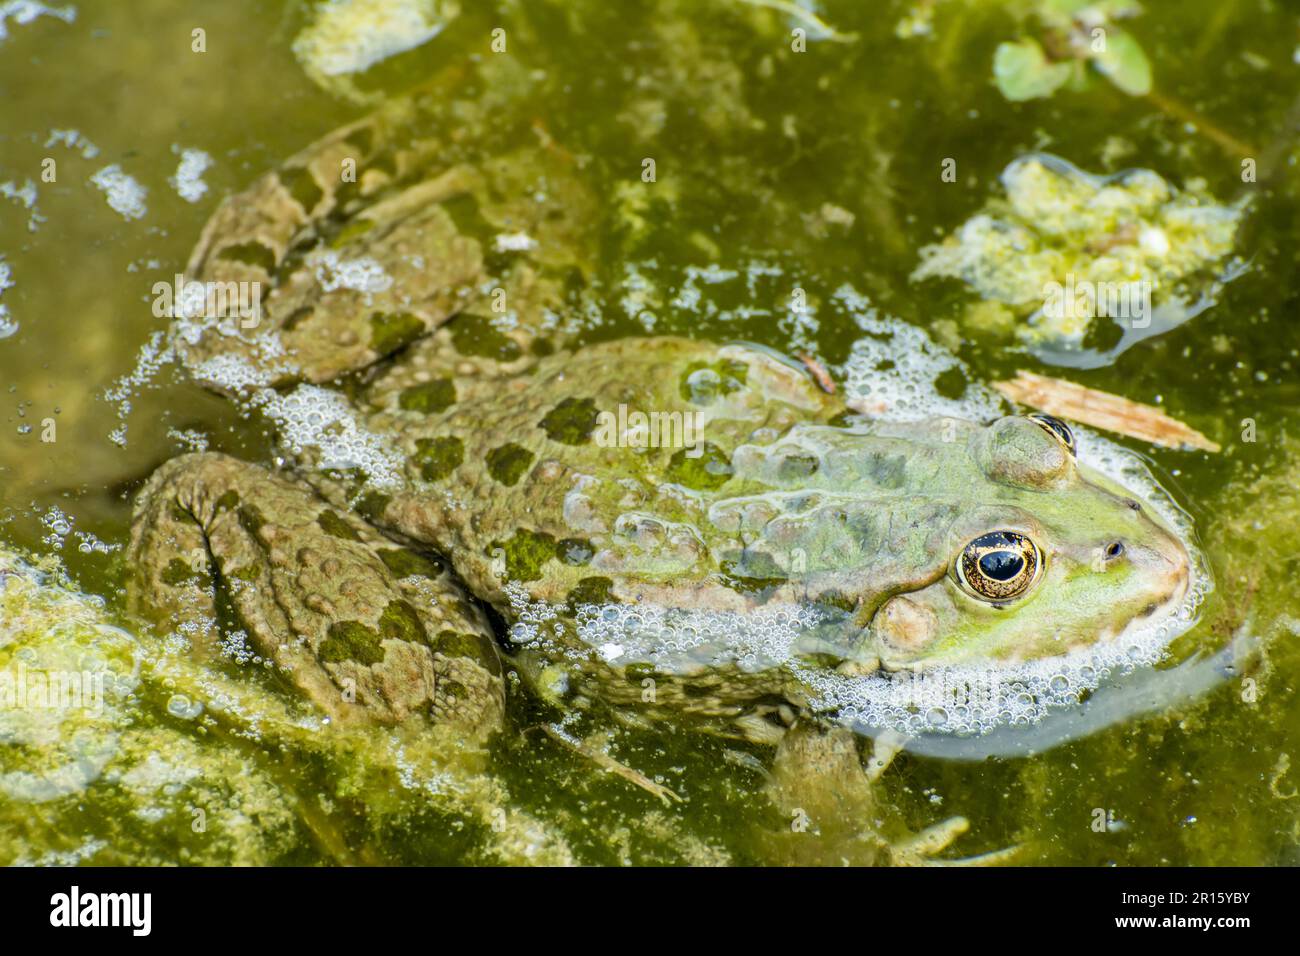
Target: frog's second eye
{"x":999,"y":566}
{"x":1056,"y":428}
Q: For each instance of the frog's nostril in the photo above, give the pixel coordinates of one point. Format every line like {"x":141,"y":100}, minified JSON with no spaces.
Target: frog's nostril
{"x":1114,"y":550}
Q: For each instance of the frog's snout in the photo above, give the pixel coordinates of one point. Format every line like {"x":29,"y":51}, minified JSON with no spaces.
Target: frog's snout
{"x":901,"y":630}
{"x":1168,"y":566}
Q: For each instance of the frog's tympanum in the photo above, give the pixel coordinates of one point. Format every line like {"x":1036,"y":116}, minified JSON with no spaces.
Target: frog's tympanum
{"x":425,"y":288}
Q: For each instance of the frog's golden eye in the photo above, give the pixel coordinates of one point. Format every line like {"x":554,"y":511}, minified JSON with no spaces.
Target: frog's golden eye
{"x":999,"y":566}
{"x":1056,"y":428}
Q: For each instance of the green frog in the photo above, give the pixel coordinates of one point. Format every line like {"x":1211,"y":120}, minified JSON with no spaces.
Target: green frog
{"x":451,"y":462}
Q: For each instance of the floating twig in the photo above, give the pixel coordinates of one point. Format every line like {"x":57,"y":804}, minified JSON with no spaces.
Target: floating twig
{"x":1102,"y":410}
{"x":606,"y":762}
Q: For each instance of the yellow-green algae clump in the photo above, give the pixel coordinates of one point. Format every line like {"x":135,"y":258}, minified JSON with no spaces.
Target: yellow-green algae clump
{"x":1060,"y":233}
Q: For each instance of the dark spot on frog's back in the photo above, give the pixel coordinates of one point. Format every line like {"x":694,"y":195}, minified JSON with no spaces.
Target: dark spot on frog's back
{"x":351,"y":641}
{"x":250,"y":254}
{"x":476,"y":336}
{"x":302,"y":187}
{"x":401,"y":622}
{"x":249,"y":573}
{"x":751,"y":572}
{"x":391,"y":331}
{"x":372,"y":505}
{"x":571,"y":422}
{"x":178,"y":573}
{"x":474,"y":647}
{"x":707,"y":472}
{"x":884,"y":470}
{"x":575,"y":551}
{"x":594,"y":591}
{"x":508,"y":463}
{"x":405,"y":563}
{"x":438,"y":457}
{"x":793,"y":468}
{"x":337,"y":527}
{"x":251,"y":519}
{"x":526,"y":552}
{"x":428,"y":398}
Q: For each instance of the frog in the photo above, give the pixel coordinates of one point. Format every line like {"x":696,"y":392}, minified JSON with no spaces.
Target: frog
{"x":467,"y":462}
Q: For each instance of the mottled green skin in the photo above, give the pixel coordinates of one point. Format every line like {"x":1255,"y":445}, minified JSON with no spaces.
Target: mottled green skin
{"x":800,"y":509}
{"x":509,"y":477}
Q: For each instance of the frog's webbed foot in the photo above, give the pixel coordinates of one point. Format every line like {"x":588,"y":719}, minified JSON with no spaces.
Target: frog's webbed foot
{"x":367,"y":629}
{"x":923,"y":848}
{"x":820,"y":782}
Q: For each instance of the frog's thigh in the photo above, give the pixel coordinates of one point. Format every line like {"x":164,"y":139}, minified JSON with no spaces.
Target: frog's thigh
{"x":362,"y":626}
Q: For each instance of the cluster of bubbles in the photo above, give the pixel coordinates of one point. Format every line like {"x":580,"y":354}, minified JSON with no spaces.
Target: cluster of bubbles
{"x":321,"y":419}
{"x":675,"y":640}
{"x":891,"y":371}
{"x":65,"y":685}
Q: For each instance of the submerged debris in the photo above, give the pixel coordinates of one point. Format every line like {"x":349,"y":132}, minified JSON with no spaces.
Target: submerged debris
{"x":348,"y":37}
{"x":1070,"y":261}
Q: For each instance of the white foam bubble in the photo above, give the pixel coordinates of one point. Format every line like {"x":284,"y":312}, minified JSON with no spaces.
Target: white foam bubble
{"x":124,"y":194}
{"x":188,"y":180}
{"x":362,"y":274}
{"x":322,"y":420}
{"x":514,"y":242}
{"x":72,"y":139}
{"x":7,"y":326}
{"x":25,"y":196}
{"x":890,"y":372}
{"x":25,"y":11}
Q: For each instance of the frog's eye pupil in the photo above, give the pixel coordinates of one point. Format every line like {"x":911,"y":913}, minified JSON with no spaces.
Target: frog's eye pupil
{"x":999,"y":566}
{"x":1002,"y":565}
{"x":1057,"y":428}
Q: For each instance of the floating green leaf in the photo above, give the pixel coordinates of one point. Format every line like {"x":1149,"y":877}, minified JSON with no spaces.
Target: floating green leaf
{"x":1124,"y":63}
{"x":1023,"y":72}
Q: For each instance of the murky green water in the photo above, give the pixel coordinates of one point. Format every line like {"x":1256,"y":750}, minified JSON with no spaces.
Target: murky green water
{"x":751,"y":141}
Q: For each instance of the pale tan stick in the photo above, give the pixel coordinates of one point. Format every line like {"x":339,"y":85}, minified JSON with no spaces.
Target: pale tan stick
{"x":606,"y":762}
{"x":1102,"y":410}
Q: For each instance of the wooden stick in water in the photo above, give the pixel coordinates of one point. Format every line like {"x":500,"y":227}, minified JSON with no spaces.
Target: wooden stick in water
{"x":1102,"y":410}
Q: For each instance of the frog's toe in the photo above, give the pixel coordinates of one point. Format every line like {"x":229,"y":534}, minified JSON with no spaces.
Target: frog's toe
{"x":363,"y":627}
{"x":923,"y":848}
{"x":919,"y":849}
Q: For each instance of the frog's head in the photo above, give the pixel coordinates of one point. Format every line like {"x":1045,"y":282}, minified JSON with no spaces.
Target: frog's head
{"x":1041,"y":555}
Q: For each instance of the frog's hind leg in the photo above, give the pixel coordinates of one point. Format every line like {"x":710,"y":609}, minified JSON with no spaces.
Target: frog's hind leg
{"x":321,"y":292}
{"x":367,"y":629}
{"x":371,"y":239}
